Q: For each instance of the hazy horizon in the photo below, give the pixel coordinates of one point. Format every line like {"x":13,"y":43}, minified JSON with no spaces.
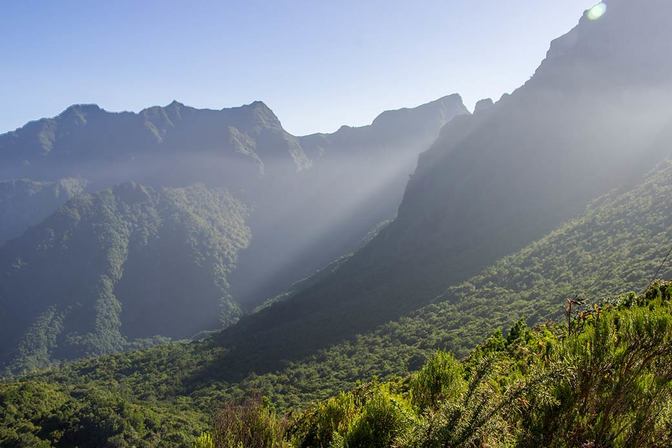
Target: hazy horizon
{"x":294,"y":56}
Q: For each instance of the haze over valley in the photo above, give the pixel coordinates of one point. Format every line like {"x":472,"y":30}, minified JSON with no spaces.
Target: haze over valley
{"x":445,"y":276}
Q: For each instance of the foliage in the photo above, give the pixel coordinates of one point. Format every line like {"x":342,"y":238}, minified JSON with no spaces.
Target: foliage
{"x":205,"y":440}
{"x":252,"y":424}
{"x":39,"y":414}
{"x":441,"y":378}
{"x":605,"y":381}
{"x":107,"y":262}
{"x":614,"y":247}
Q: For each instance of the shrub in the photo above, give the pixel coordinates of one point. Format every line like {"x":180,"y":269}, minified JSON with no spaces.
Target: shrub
{"x":252,"y":424}
{"x":441,"y":379}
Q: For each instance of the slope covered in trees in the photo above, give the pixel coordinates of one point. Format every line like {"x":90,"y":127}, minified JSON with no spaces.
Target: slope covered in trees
{"x":595,"y":116}
{"x":615,"y":247}
{"x":307,"y":201}
{"x":602,"y":381}
{"x":118,"y":266}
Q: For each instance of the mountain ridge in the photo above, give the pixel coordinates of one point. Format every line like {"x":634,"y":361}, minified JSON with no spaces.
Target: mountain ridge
{"x":495,"y":181}
{"x":290,"y":221}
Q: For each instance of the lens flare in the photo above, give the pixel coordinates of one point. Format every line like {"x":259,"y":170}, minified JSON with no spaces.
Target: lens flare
{"x":596,"y":11}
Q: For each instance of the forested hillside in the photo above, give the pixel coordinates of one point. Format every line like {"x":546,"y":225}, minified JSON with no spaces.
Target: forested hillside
{"x":594,"y":117}
{"x":111,"y":269}
{"x":302,"y":209}
{"x":186,"y":277}
{"x":600,"y":378}
{"x":617,"y":246}
{"x":603,"y":380}
{"x":614,"y":247}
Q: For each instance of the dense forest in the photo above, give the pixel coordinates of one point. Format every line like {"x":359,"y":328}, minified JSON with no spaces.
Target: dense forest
{"x":601,"y":379}
{"x":112,"y":258}
{"x":616,"y":246}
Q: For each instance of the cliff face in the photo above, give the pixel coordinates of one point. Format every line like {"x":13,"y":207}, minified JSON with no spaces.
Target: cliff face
{"x":592,"y":118}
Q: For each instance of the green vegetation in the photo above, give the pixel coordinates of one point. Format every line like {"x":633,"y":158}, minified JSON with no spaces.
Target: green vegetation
{"x":614,"y":247}
{"x":92,"y":277}
{"x":398,"y":345}
{"x":95,"y":277}
{"x":606,"y":381}
{"x":36,"y":414}
{"x":494,"y":182}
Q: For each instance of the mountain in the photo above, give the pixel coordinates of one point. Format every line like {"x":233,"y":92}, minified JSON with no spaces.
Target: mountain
{"x":356,"y":181}
{"x":135,"y":269}
{"x":24,"y":203}
{"x":561,"y":190}
{"x":114,"y":269}
{"x":311,"y":199}
{"x":595,"y":116}
{"x":172,"y":144}
{"x":167,"y":392}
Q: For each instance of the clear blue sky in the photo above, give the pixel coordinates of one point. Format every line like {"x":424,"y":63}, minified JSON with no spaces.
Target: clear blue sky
{"x":317,"y":63}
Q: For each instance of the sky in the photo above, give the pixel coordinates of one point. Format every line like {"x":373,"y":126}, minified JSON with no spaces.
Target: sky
{"x":318,"y":64}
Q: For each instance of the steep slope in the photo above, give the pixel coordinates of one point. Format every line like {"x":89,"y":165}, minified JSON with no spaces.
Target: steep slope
{"x":356,"y":181}
{"x":120,"y":265}
{"x":551,"y":386}
{"x":615,"y":247}
{"x":311,"y":198}
{"x":24,"y":202}
{"x":168,"y":392}
{"x":590,"y":119}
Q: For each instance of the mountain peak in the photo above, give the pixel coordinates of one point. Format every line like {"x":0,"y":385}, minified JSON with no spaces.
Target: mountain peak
{"x":261,"y":112}
{"x":622,"y":42}
{"x":483,"y":105}
{"x":447,"y":106}
{"x":452,"y":98}
{"x":82,"y":109}
{"x":175,"y":105}
{"x":260,"y":108}
{"x":258,"y":104}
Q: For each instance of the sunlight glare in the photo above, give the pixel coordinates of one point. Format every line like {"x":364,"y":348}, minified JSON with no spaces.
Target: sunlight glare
{"x":597,"y":11}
